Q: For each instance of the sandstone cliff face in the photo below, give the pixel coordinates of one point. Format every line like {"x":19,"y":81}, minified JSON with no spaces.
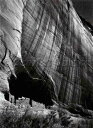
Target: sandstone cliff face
{"x":53,"y":40}
{"x":11,"y":16}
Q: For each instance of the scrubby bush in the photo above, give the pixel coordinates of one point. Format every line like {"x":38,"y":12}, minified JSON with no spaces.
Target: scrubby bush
{"x":8,"y":118}
{"x":11,"y":117}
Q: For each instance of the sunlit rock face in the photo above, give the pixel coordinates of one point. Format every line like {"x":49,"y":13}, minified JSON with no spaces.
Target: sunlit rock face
{"x":11,"y":16}
{"x":55,"y":41}
{"x":51,"y":38}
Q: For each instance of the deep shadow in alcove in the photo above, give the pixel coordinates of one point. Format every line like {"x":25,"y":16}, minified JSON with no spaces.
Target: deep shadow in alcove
{"x":26,"y":86}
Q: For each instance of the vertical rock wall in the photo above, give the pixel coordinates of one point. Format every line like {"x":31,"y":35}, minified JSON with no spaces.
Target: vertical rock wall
{"x":11,"y":16}
{"x":54,"y":40}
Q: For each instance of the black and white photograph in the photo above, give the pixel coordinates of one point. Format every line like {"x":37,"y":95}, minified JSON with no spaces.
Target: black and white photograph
{"x":46,"y":63}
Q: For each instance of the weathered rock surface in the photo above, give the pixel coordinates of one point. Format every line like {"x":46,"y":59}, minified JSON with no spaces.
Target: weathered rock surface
{"x":11,"y":16}
{"x":58,"y":43}
{"x":52,"y":42}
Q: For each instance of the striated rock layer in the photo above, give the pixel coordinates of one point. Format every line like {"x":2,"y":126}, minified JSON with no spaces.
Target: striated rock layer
{"x":11,"y":16}
{"x":54,"y":41}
